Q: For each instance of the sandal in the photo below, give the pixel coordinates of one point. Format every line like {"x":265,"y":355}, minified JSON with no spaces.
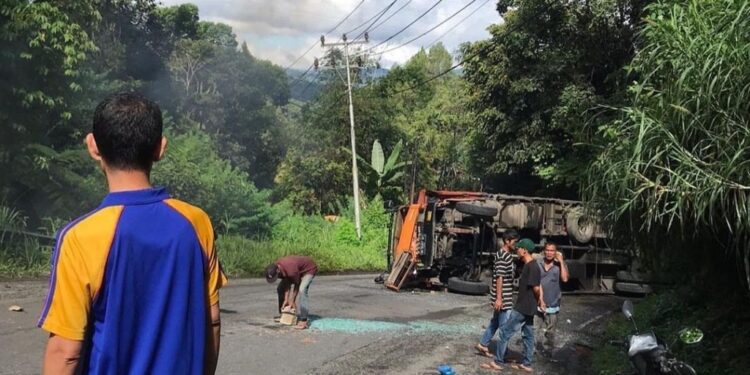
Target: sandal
{"x":301,"y":325}
{"x":483,"y":350}
{"x":491,"y":366}
{"x":522,"y":367}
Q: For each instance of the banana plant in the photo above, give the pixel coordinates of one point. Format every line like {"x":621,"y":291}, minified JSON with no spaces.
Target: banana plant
{"x":385,"y":174}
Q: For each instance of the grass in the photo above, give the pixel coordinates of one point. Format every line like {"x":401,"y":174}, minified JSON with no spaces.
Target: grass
{"x":723,"y":317}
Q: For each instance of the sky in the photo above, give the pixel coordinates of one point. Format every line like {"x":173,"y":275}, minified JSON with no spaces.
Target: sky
{"x":282,"y":30}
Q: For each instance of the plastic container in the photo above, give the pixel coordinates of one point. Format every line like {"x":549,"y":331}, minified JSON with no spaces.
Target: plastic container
{"x":446,"y":370}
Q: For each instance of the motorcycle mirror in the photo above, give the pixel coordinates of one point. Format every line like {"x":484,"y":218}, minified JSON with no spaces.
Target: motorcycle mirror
{"x":691,"y":335}
{"x":627,"y":309}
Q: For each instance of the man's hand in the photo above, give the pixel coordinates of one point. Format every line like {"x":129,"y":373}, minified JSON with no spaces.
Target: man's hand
{"x":498,"y":304}
{"x":559,"y":257}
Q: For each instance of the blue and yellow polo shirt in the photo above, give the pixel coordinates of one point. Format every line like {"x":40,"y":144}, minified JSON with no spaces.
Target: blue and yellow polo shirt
{"x":134,"y":279}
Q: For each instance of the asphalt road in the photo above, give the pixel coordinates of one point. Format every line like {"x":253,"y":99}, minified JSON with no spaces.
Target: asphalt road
{"x":357,"y":327}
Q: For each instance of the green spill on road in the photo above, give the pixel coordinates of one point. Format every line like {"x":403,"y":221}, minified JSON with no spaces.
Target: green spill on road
{"x":369,"y":326}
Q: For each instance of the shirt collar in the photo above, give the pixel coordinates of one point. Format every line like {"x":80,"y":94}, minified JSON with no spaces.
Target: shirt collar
{"x":135,"y":197}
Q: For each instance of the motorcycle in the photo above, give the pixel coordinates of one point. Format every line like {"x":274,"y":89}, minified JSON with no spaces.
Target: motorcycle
{"x":650,"y":355}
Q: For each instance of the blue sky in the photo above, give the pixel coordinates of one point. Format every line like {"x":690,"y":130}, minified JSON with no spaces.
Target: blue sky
{"x":282,"y":30}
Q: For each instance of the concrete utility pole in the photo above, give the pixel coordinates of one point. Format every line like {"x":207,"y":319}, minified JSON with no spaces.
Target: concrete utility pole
{"x":355,"y":174}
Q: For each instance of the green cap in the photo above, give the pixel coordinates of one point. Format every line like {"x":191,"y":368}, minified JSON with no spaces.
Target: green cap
{"x":526,"y":244}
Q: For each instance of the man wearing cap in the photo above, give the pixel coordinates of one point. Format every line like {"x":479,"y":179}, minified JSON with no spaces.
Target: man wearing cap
{"x":521,"y":318}
{"x":296,"y":273}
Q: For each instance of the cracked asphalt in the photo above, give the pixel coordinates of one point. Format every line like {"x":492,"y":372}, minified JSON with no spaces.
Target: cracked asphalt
{"x":357,"y":327}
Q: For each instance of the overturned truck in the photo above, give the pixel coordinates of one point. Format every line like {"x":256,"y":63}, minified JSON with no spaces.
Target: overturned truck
{"x":451,"y":237}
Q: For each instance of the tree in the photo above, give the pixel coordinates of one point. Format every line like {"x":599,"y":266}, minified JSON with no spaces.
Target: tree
{"x":675,"y":159}
{"x":535,"y":81}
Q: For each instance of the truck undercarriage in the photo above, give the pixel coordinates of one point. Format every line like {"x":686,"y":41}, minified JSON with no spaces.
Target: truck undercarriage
{"x":451,"y":237}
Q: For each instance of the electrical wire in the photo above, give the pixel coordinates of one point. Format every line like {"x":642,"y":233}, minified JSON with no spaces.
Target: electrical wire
{"x":376,"y":20}
{"x":422,"y":34}
{"x":390,"y":16}
{"x":407,"y":26}
{"x":329,"y":31}
{"x":370,"y":19}
{"x":459,"y":22}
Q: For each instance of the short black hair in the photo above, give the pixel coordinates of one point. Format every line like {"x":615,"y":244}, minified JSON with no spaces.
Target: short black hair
{"x":510,"y":234}
{"x":127,"y":128}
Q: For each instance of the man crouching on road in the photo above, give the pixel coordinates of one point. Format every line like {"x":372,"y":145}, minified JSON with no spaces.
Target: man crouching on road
{"x":554,"y":271}
{"x":522,"y":316}
{"x":296,"y":273}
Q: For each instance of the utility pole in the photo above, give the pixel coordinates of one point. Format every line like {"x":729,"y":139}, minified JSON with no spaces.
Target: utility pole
{"x":355,"y":175}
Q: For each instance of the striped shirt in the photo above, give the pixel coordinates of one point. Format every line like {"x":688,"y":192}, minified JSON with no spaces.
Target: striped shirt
{"x":504,"y":268}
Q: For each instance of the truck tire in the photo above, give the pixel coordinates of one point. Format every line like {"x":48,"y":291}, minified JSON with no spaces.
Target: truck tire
{"x":581,"y":230}
{"x":458,"y":285}
{"x":475,"y":209}
{"x":632,"y":277}
{"x":632,"y":288}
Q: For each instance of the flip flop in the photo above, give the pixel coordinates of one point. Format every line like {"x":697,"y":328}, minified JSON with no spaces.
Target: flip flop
{"x":491,"y":366}
{"x":302,"y":325}
{"x":483,"y":350}
{"x":522,"y":367}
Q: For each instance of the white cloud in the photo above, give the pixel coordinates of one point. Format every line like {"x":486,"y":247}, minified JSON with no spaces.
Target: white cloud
{"x":281,"y":30}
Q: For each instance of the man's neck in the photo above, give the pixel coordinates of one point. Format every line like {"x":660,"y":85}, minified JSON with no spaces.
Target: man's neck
{"x":122,"y":180}
{"x":527,"y":258}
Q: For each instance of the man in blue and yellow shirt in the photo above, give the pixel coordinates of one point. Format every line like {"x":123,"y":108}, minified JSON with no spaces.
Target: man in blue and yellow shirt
{"x":134,"y":284}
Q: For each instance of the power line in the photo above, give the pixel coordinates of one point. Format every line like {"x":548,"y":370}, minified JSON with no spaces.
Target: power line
{"x":376,"y":20}
{"x":370,"y":19}
{"x":407,"y":26}
{"x":458,"y":23}
{"x":301,"y":76}
{"x":424,"y":33}
{"x":391,"y":16}
{"x":329,"y":31}
{"x":465,"y":59}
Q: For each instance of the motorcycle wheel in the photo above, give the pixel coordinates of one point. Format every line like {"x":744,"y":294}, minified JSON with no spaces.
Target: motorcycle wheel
{"x":681,"y":368}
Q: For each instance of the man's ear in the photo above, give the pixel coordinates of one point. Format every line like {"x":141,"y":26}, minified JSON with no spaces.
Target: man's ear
{"x":92,"y":148}
{"x":161,"y":149}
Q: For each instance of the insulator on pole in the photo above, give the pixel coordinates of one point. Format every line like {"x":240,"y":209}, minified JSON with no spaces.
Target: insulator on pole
{"x":344,"y":38}
{"x":367,"y":37}
{"x":322,"y":40}
{"x":316,"y":63}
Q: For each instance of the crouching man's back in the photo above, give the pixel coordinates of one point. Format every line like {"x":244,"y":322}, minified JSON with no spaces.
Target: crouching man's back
{"x":134,"y":283}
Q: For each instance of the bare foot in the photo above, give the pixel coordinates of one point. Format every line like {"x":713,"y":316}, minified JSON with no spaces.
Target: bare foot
{"x":301,"y":325}
{"x":491,"y":366}
{"x":483,"y":350}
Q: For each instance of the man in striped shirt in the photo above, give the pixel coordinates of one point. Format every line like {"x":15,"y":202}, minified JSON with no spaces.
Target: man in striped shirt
{"x":502,"y":280}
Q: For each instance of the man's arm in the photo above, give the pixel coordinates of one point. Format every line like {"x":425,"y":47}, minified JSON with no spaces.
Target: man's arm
{"x":213,"y":337}
{"x":293,"y":294}
{"x":61,"y":355}
{"x":539,"y":294}
{"x":563,"y":267}
{"x":499,"y":293}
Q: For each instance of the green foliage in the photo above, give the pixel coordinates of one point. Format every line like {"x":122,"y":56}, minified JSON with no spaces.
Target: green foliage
{"x":384,"y":177}
{"x":193,"y":171}
{"x":720,"y":315}
{"x":533,"y":83}
{"x":333,"y":245}
{"x":677,"y":157}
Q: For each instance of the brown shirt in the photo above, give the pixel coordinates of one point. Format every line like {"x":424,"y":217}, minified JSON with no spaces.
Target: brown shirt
{"x":293,"y":267}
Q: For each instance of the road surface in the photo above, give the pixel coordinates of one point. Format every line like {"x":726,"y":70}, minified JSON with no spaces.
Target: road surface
{"x":357,"y":327}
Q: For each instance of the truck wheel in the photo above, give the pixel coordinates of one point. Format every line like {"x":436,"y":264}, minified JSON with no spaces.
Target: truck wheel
{"x":458,"y":285}
{"x":632,"y":288}
{"x":579,"y":227}
{"x":475,"y":209}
